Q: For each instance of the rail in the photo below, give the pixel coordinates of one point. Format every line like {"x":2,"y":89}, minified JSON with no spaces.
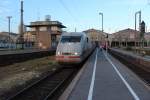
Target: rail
{"x":47,"y":87}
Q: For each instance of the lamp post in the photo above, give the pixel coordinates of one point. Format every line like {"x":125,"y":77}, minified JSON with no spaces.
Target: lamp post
{"x":102,"y":19}
{"x":9,"y":17}
{"x":138,"y":12}
{"x":101,"y":14}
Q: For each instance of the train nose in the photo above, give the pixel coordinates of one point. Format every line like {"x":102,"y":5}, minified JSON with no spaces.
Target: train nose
{"x":68,"y":59}
{"x":69,"y":53}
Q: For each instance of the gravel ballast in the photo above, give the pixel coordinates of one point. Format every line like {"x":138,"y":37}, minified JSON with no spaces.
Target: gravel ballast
{"x":15,"y":77}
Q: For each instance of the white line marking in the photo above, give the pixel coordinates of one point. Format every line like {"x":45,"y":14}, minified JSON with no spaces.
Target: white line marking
{"x":93,"y":79}
{"x":122,"y":78}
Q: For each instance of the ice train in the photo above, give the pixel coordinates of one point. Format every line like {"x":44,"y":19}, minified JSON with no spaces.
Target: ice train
{"x":73,"y":48}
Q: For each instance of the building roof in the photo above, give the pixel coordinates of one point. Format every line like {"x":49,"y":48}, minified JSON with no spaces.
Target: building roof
{"x":126,"y":34}
{"x":46,"y":23}
{"x":7,"y":33}
{"x":128,"y":30}
{"x":94,"y":30}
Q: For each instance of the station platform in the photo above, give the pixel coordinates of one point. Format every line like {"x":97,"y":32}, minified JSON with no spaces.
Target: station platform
{"x":104,"y":78}
{"x":15,"y":51}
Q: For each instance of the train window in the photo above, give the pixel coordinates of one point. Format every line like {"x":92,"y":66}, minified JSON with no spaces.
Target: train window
{"x":70,"y":39}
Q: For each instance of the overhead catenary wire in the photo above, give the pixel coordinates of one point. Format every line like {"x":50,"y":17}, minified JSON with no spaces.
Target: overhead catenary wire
{"x":3,"y":21}
{"x":38,"y":13}
{"x":68,"y":10}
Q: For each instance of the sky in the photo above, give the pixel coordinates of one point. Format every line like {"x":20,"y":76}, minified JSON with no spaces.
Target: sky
{"x":79,"y":14}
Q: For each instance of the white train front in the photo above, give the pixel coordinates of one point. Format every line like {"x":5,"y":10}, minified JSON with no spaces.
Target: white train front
{"x":73,"y":47}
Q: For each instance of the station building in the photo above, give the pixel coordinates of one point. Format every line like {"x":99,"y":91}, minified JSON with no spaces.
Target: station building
{"x":96,"y":36}
{"x":44,"y":34}
{"x":128,"y":37}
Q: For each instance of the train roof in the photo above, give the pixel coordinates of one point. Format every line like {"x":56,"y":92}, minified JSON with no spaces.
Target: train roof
{"x":73,"y":34}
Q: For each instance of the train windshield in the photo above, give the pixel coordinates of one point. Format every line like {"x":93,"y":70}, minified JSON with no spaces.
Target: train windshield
{"x":65,"y":39}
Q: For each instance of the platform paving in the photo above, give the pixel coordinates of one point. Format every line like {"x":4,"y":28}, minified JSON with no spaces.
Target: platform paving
{"x":105,"y":78}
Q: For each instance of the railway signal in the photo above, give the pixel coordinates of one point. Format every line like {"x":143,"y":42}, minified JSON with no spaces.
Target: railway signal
{"x":142,"y":31}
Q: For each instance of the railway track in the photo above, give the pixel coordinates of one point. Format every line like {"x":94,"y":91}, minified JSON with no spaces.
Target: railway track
{"x":49,"y":87}
{"x":136,"y":68}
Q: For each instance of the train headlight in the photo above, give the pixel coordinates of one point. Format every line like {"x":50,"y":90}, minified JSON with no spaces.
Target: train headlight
{"x":58,"y":53}
{"x":75,"y":53}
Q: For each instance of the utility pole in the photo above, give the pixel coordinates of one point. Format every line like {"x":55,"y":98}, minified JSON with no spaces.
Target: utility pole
{"x":9,"y":17}
{"x":21,"y":26}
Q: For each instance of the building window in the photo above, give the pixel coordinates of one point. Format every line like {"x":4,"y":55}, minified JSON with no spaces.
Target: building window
{"x":33,"y":29}
{"x":132,"y":36}
{"x":54,"y":28}
{"x":43,"y":29}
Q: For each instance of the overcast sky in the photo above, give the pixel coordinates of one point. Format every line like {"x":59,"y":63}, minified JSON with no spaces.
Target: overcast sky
{"x":79,"y":14}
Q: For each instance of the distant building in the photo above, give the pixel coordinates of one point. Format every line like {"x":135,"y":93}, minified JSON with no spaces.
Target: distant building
{"x":8,"y":40}
{"x":96,"y":35}
{"x":128,"y":37}
{"x":44,"y":34}
{"x":147,"y":38}
{"x":29,"y":40}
